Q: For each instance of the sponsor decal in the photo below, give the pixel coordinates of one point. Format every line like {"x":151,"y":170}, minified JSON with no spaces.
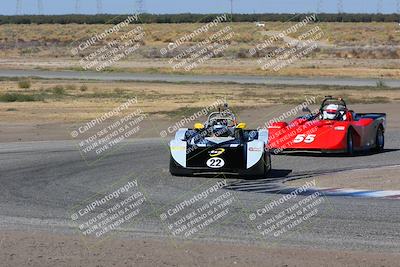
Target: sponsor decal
{"x":215,"y":163}
{"x":178,"y":148}
{"x":339,"y":128}
{"x":216,"y":152}
{"x":255,"y":149}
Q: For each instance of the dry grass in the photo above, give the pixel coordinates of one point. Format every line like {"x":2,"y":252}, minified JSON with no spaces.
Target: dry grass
{"x":64,"y":101}
{"x":306,"y":67}
{"x":362,"y":49}
{"x":353,"y":34}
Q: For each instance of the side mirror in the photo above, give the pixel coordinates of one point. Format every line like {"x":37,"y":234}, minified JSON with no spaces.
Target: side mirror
{"x":306,"y":109}
{"x":198,"y":126}
{"x":241,"y":125}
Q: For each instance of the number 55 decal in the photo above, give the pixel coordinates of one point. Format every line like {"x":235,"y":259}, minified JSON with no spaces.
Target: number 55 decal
{"x":308,"y":139}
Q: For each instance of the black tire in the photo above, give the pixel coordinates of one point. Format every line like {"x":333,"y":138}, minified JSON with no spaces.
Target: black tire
{"x":267,"y":164}
{"x":176,"y":170}
{"x":350,"y":143}
{"x":380,"y":140}
{"x":259,"y":171}
{"x":172,"y":166}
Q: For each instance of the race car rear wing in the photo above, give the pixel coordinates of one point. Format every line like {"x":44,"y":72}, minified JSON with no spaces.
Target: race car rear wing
{"x":379,"y":118}
{"x":373,"y":116}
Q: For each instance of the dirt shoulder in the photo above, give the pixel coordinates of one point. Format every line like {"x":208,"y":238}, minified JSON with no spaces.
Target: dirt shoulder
{"x":329,"y":67}
{"x":20,"y":248}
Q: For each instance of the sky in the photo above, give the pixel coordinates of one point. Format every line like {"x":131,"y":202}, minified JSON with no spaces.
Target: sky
{"x":9,"y":7}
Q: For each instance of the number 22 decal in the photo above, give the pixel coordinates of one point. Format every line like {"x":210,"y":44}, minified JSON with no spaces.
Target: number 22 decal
{"x":308,"y":139}
{"x":215,"y":163}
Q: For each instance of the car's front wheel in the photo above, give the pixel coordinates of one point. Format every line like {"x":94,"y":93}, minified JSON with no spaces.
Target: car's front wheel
{"x":176,"y":170}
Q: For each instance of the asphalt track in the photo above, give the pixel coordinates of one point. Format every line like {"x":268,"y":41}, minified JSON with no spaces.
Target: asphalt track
{"x":41,"y":181}
{"x":241,"y":79}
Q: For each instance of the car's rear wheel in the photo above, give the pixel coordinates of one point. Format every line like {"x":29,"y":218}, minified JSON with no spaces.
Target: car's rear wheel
{"x":380,"y":140}
{"x":350,"y":143}
{"x":267,"y":164}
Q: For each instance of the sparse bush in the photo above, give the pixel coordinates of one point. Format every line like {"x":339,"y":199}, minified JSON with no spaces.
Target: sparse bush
{"x":24,"y":84}
{"x":83,"y":88}
{"x":381,"y":84}
{"x":71,"y":87}
{"x":118,"y":91}
{"x":242,"y":53}
{"x":17,"y":97}
{"x":58,"y":90}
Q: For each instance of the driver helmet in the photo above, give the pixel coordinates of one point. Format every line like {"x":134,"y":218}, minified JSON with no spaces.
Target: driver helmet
{"x":330,"y":112}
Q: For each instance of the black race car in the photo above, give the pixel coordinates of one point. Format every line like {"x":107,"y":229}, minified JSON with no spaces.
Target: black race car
{"x":220,"y":146}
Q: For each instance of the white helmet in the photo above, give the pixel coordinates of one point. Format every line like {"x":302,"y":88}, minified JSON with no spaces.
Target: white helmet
{"x":330,"y":112}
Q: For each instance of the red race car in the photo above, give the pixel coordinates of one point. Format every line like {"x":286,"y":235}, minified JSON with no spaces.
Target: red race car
{"x":333,"y":128}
